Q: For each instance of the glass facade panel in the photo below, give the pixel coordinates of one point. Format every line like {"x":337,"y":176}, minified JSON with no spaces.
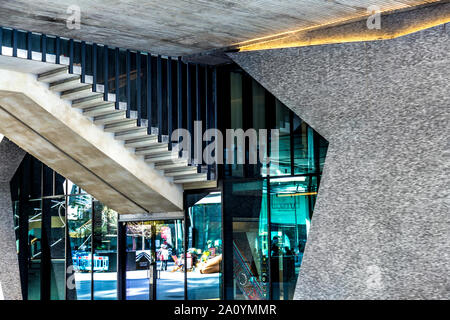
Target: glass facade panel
{"x":204,"y":243}
{"x":246,"y":206}
{"x":55,"y":218}
{"x":70,"y":241}
{"x":280,"y":163}
{"x":268,"y":233}
{"x":104,"y":262}
{"x":303,"y":136}
{"x":169,"y":248}
{"x":236,"y":112}
{"x":79,"y":226}
{"x":34,"y":214}
{"x":291,"y":206}
{"x":139,"y":258}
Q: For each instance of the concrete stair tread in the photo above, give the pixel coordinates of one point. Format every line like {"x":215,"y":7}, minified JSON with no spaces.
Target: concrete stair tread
{"x":81,"y":92}
{"x":124,"y":124}
{"x":171,"y":164}
{"x":145,"y":141}
{"x":191,"y":178}
{"x":66,"y":84}
{"x":162,"y":157}
{"x":101,"y":110}
{"x":153,"y":152}
{"x":115,"y":118}
{"x":182,"y":171}
{"x":130,"y":134}
{"x":55,"y":75}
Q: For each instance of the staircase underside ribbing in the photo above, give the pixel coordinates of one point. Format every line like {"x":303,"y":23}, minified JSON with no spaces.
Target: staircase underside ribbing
{"x":38,"y":120}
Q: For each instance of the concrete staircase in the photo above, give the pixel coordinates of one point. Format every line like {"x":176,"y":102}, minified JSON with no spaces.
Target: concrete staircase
{"x":78,"y":132}
{"x":104,"y":113}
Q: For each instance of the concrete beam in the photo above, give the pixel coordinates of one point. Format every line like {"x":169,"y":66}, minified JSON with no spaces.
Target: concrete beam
{"x":47,"y":127}
{"x":392,"y":25}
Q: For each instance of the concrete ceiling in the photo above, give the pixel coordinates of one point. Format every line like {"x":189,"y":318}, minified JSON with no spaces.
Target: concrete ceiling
{"x":184,"y":27}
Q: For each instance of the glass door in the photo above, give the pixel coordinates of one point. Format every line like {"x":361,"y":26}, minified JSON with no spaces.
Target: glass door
{"x":154,"y":260}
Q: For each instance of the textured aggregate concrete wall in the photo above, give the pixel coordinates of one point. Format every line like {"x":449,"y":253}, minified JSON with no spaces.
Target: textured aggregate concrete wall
{"x":381,"y":224}
{"x":10,"y":159}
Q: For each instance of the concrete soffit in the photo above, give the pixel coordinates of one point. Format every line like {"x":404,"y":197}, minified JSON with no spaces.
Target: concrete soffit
{"x":378,"y":26}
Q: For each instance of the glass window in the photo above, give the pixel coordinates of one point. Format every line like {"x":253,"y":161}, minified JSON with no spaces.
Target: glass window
{"x":204,"y":253}
{"x":237,"y":170}
{"x":303,"y":136}
{"x":79,"y":226}
{"x":170,"y":259}
{"x":280,"y":162}
{"x":55,"y":221}
{"x":104,"y":264}
{"x":139,"y":257}
{"x":323,"y":148}
{"x":246,"y":206}
{"x":34,"y":212}
{"x":258,"y":122}
{"x":291,"y":207}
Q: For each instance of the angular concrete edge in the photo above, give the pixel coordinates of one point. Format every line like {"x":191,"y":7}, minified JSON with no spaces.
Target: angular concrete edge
{"x":42,"y":111}
{"x":393,"y":24}
{"x":10,"y":158}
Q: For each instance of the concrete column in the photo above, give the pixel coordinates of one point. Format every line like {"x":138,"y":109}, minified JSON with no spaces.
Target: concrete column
{"x":381,"y":224}
{"x":10,"y":159}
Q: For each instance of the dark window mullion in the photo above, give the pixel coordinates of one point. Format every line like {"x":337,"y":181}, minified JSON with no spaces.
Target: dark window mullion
{"x":128,"y":86}
{"x":105,"y":73}
{"x":180,"y":92}
{"x":189,"y":108}
{"x":117,"y":76}
{"x":83,"y":61}
{"x":169,"y":101}
{"x":14,"y":42}
{"x":71,"y":55}
{"x":94,"y":67}
{"x":149,"y":92}
{"x":92,"y":248}
{"x":159,"y":96}
{"x":138,"y":88}
{"x":57,"y":49}
{"x":1,"y":40}
{"x":29,"y":47}
{"x":269,"y":232}
{"x":291,"y":141}
{"x":44,"y":47}
{"x":198,"y":114}
{"x":45,"y":245}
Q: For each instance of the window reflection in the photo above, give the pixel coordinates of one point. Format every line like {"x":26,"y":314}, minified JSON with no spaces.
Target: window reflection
{"x":104,"y":262}
{"x":56,"y":217}
{"x":53,"y":221}
{"x":291,"y":207}
{"x":170,"y":260}
{"x":139,"y":258}
{"x":34,"y":212}
{"x":79,"y":223}
{"x":204,"y":253}
{"x":280,"y":163}
{"x":246,"y":205}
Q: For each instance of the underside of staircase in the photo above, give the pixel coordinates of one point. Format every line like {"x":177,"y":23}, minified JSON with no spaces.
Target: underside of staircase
{"x":50,"y":105}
